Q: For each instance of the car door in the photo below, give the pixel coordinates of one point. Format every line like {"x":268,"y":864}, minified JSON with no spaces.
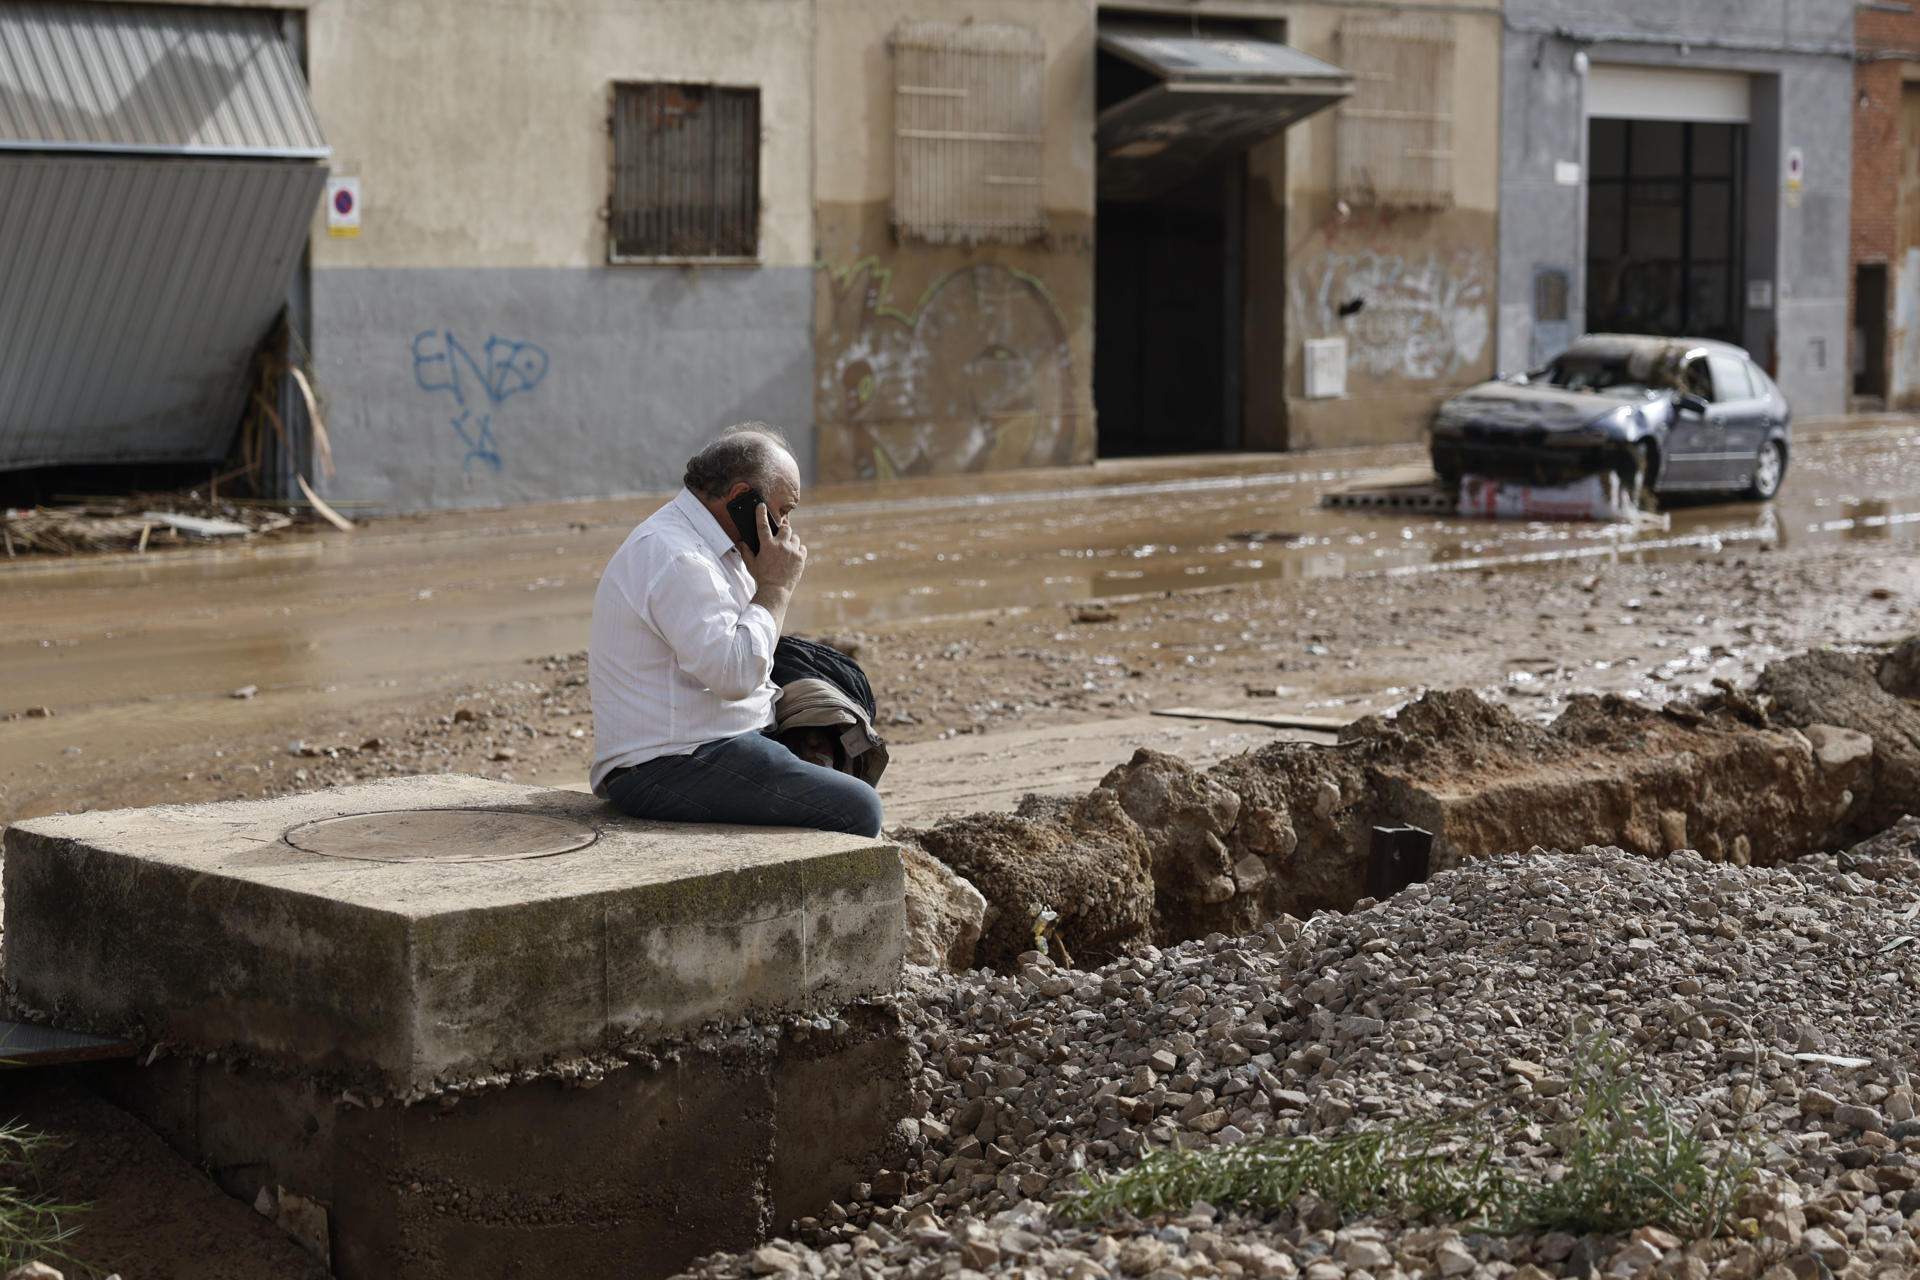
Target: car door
{"x":1770,"y":409}
{"x":1691,"y":438}
{"x":1737,"y":419}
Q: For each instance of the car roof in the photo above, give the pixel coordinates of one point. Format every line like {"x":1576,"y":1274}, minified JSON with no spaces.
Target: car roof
{"x":1625,"y":344}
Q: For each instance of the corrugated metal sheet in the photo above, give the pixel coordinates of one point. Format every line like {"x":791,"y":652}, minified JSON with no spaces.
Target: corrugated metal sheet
{"x":136,"y":290}
{"x":686,"y":171}
{"x":144,"y":78}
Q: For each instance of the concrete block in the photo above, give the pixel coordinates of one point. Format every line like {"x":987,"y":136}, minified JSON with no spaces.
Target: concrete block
{"x":429,"y":956}
{"x":710,"y":1144}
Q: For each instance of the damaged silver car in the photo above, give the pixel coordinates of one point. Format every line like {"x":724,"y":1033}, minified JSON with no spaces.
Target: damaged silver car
{"x":1667,"y":415}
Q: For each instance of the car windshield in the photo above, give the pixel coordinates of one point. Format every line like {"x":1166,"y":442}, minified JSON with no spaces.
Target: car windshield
{"x":1620,"y":376}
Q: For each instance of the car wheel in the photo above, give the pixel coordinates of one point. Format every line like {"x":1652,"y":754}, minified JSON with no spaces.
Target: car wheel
{"x":1769,"y":468}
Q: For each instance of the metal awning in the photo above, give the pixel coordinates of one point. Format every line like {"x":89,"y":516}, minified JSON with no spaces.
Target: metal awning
{"x":1212,"y":95}
{"x":159,"y":168}
{"x":151,"y":80}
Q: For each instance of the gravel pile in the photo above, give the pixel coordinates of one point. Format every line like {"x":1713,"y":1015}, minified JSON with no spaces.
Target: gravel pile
{"x":1771,"y":1004}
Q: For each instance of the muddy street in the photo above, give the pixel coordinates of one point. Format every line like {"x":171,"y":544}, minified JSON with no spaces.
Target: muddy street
{"x":969,"y":599}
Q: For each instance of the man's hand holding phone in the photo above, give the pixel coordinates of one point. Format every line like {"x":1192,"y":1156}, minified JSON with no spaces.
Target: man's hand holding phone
{"x":781,"y":557}
{"x":776,"y":563}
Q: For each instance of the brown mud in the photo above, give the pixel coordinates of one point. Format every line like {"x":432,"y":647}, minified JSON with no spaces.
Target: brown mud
{"x":1225,"y":577}
{"x":1527,"y":640}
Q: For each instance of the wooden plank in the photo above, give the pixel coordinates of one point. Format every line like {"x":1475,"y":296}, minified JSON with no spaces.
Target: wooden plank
{"x":1272,"y":719}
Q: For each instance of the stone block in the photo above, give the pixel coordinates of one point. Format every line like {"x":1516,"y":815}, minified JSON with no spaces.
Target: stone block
{"x":451,"y":941}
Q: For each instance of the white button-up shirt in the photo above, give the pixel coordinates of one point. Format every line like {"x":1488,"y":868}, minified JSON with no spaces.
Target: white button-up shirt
{"x":678,"y":655}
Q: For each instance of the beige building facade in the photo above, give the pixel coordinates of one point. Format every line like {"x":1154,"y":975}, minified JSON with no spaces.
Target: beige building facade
{"x":1362,"y":240}
{"x":953,"y":331}
{"x":489,"y":335}
{"x":564,"y":242}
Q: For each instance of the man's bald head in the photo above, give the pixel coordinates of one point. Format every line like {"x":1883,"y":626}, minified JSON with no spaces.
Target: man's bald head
{"x":752,"y":453}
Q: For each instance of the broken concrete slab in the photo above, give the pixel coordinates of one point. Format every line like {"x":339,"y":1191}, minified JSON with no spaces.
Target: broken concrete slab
{"x":205,"y":925}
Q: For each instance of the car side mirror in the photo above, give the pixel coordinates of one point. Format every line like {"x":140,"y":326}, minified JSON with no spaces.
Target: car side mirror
{"x":1690,"y":403}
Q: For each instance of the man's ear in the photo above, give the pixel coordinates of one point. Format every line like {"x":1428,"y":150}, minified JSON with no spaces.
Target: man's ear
{"x":739,"y":487}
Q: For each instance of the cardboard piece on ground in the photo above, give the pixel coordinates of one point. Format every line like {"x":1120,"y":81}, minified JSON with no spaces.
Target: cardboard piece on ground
{"x":1273,"y":719}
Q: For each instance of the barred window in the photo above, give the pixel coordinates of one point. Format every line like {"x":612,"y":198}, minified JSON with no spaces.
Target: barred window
{"x":1394,"y":137}
{"x":686,"y":172}
{"x":969,"y":108}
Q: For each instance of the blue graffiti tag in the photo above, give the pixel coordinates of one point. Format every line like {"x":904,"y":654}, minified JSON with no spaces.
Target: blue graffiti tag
{"x":505,"y":369}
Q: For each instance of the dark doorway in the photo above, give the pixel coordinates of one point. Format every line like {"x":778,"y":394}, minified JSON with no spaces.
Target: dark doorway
{"x":1665,"y":225}
{"x":1166,"y":363}
{"x":1870,"y":331}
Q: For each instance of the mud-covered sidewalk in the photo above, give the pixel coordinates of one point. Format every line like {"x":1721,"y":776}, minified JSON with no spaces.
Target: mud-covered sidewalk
{"x":1337,"y":647}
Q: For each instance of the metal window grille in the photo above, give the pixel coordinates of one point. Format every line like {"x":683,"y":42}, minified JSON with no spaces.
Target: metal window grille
{"x":969,"y":119}
{"x":686,"y":172}
{"x":1394,"y":137}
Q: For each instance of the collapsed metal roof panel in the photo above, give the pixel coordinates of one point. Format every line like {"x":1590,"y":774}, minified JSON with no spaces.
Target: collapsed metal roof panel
{"x":1213,"y":57}
{"x":137,"y":289}
{"x":148,"y":79}
{"x":1206,"y":97}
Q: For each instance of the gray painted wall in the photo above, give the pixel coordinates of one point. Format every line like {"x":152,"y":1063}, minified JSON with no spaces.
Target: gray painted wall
{"x":450,"y":388}
{"x":1799,"y":52}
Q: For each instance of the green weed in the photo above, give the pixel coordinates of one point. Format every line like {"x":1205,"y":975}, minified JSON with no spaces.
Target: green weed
{"x":1628,"y":1161}
{"x":31,"y":1226}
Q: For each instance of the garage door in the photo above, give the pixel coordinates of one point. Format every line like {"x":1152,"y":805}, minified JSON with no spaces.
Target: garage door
{"x":1617,"y":92}
{"x":159,"y":169}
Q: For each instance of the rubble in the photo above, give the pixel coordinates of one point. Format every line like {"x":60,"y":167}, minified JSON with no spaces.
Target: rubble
{"x":1831,"y":687}
{"x":944,"y":913}
{"x":1078,"y":871}
{"x":1737,"y":989}
{"x":132,"y":524}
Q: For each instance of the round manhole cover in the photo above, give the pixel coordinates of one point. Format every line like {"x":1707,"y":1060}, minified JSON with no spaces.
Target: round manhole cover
{"x":441,"y":835}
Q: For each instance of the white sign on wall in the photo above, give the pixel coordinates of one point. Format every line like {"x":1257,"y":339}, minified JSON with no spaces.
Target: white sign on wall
{"x":1326,"y":368}
{"x":1566,"y":172}
{"x":343,"y":207}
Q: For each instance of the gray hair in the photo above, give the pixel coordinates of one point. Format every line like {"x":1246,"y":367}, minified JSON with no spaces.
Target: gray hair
{"x":749,"y":451}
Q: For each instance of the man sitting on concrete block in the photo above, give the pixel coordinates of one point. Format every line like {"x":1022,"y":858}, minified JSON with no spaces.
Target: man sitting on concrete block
{"x":680,"y":659}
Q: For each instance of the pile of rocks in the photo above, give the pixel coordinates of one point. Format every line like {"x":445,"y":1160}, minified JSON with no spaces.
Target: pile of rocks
{"x":1771,"y":1005}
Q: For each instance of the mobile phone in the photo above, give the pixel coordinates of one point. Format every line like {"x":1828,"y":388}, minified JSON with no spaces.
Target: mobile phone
{"x":741,"y":512}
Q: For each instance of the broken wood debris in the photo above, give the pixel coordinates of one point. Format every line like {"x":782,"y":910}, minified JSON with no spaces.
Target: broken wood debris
{"x":140,"y":523}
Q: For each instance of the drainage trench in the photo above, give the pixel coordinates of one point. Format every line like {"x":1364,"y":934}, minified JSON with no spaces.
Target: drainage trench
{"x":1821,"y":753}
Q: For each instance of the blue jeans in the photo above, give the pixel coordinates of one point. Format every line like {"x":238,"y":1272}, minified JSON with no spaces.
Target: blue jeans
{"x":751,"y":780}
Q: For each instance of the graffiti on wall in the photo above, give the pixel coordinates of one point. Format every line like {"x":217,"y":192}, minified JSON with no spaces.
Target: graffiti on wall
{"x":477,"y":384}
{"x":1419,"y":316}
{"x":977,"y":373}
